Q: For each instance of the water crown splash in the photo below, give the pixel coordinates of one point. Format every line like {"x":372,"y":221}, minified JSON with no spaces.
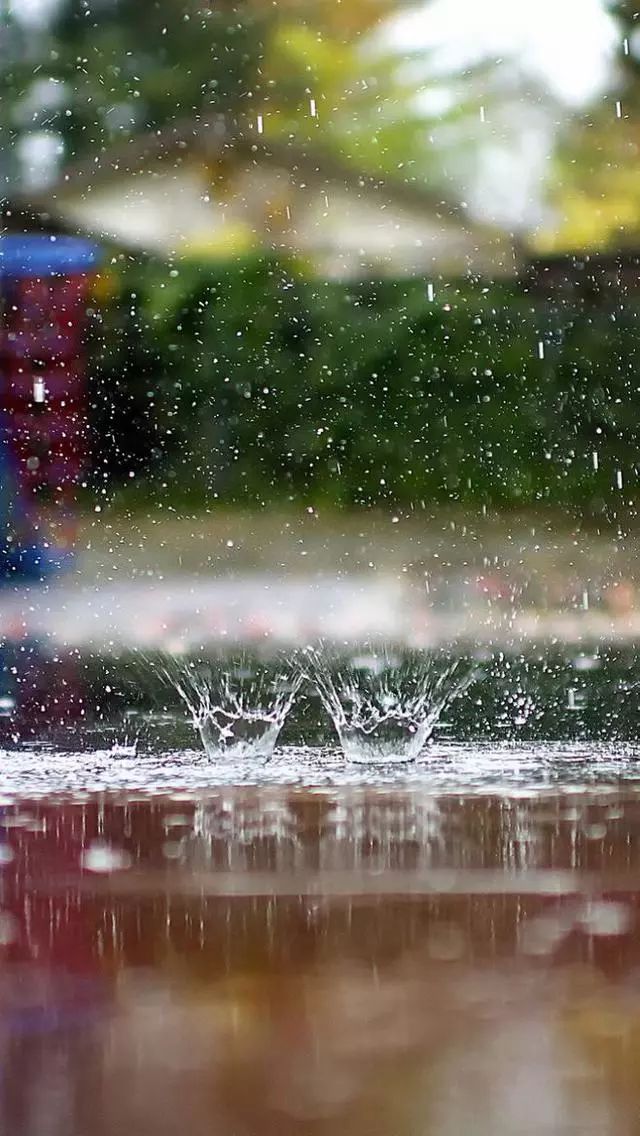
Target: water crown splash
{"x":385,"y":708}
{"x":237,"y":706}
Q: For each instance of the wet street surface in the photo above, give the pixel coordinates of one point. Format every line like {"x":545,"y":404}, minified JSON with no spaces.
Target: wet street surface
{"x":310,"y":943}
{"x":355,"y":959}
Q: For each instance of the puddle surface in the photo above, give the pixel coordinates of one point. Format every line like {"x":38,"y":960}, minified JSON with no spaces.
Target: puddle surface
{"x":447,"y":948}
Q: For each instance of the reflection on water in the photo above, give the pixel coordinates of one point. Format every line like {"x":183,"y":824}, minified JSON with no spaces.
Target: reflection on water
{"x":344,"y":960}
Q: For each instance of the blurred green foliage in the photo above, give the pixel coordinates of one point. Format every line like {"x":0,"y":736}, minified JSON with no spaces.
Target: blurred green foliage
{"x":592,"y":183}
{"x":255,"y":384}
{"x":114,"y":81}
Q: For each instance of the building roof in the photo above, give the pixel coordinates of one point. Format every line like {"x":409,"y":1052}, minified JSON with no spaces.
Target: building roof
{"x":192,"y":186}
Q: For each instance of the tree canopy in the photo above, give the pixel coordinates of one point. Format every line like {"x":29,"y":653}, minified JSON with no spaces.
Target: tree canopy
{"x":103,"y":72}
{"x":593,"y":182}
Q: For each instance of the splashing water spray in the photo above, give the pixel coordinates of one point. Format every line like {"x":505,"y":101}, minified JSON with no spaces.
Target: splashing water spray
{"x":385,"y":708}
{"x":237,"y":706}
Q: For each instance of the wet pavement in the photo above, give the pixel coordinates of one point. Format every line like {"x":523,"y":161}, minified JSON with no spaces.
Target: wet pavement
{"x":363,"y":959}
{"x":179,"y":583}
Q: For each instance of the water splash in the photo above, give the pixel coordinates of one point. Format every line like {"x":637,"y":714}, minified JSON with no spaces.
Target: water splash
{"x":385,"y":708}
{"x":238,"y":706}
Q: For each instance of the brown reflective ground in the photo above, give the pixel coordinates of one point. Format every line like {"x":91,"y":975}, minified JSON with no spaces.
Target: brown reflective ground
{"x":352,"y":961}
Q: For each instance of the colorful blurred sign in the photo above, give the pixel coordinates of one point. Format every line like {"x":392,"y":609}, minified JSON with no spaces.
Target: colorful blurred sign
{"x":44,"y":289}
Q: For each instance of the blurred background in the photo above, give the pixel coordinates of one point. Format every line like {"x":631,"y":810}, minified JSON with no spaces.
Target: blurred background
{"x":359,"y":290}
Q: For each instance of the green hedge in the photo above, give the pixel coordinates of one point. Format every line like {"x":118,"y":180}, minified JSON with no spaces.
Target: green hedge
{"x":258,"y":384}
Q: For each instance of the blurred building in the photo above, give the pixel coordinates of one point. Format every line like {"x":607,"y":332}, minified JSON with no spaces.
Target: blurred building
{"x":202,"y":195}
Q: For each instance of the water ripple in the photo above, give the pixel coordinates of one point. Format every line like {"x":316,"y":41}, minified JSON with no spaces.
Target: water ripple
{"x":508,"y":769}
